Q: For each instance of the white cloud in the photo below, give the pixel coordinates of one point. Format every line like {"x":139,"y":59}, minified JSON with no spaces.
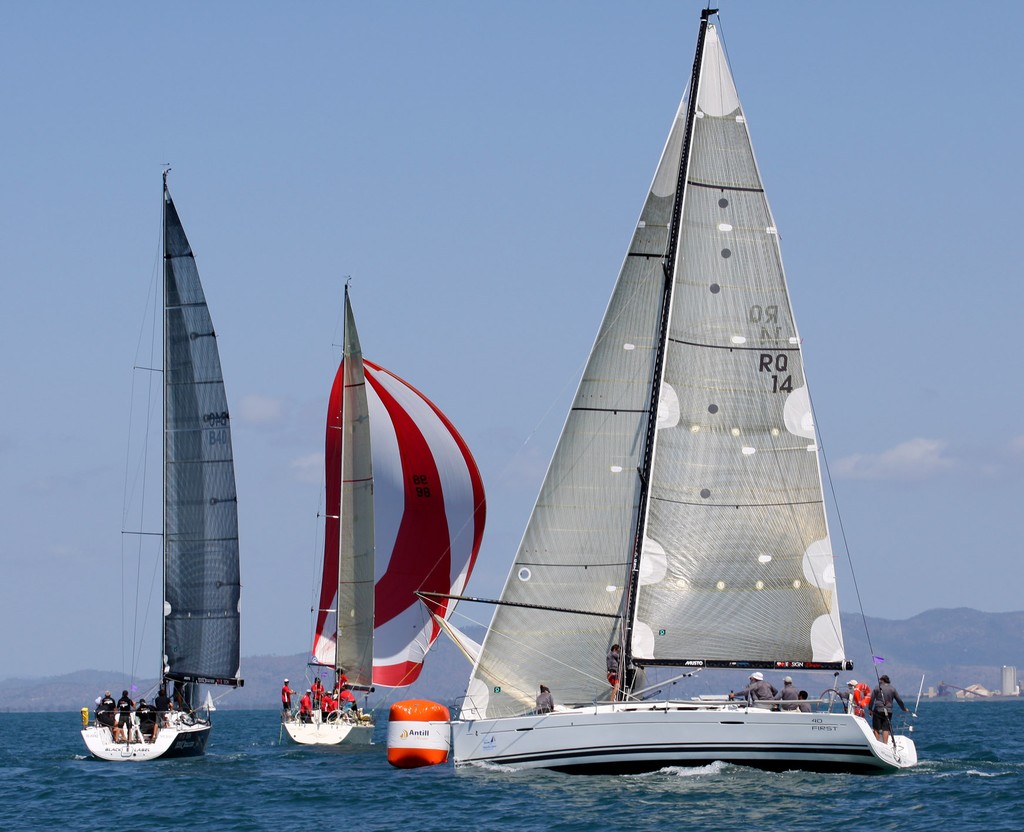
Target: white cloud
{"x":916,"y":459}
{"x":309,"y":468}
{"x":260,"y":410}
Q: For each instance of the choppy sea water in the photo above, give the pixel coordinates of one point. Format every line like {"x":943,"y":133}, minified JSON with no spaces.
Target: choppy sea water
{"x":971,"y":777}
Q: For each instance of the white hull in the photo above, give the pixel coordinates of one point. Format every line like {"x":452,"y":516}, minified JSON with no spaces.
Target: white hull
{"x":181,"y":740}
{"x":332,"y":732}
{"x":637,"y":737}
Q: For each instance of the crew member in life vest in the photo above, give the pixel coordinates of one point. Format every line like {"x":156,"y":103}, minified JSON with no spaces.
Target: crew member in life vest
{"x":318,"y":693}
{"x":861,"y":699}
{"x":329,"y":705}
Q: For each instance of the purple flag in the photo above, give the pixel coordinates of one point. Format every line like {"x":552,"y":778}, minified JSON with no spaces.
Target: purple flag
{"x":877,"y":659}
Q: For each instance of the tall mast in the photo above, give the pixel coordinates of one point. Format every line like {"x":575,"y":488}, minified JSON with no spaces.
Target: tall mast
{"x":163,"y":477}
{"x":669,"y":267}
{"x":341,"y":474}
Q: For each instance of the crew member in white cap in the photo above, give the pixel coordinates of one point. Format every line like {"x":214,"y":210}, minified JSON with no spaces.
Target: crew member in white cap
{"x":757,"y":691}
{"x":789,"y":695}
{"x":286,"y":698}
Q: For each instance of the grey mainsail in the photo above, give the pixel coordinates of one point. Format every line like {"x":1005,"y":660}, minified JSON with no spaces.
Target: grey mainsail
{"x":201,"y":572}
{"x":723,"y":490}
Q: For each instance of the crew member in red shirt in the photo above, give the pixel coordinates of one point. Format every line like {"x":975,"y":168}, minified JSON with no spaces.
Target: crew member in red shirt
{"x":306,"y":707}
{"x":286,"y":697}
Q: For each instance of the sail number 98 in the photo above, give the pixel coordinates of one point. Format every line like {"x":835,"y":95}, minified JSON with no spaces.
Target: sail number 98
{"x":421,"y":483}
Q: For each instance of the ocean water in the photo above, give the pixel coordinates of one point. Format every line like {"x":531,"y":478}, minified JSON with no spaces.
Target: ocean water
{"x":971,"y":777}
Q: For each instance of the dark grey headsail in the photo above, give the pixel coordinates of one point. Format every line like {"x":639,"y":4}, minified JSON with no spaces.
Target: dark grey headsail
{"x":201,"y":575}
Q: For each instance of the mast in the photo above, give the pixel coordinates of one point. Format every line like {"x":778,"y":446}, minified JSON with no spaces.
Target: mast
{"x":669,"y":267}
{"x":163,"y":478}
{"x":341,"y":472}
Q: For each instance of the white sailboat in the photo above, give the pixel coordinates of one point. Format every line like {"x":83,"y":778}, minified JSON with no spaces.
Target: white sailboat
{"x":682,"y":515}
{"x":405,"y":514}
{"x":201,"y":587}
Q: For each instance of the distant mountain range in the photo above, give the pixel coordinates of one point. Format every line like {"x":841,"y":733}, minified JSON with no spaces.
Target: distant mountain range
{"x":956,"y":646}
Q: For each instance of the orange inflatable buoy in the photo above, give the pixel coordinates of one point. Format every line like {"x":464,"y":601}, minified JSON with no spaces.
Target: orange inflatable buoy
{"x":418,"y":734}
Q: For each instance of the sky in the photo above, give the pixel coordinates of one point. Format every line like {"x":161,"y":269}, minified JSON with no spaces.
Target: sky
{"x":477,"y":170}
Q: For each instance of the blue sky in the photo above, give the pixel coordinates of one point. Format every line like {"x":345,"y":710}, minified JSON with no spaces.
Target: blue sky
{"x":477,"y":168}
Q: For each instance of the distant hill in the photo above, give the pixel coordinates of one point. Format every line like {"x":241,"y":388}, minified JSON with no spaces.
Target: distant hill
{"x":956,"y":646}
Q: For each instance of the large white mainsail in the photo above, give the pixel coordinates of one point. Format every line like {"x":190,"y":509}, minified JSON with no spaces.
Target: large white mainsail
{"x":736,"y":566}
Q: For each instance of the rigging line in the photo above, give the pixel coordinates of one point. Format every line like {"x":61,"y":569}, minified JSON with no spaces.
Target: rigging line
{"x":142,"y":477}
{"x":423,"y":595}
{"x":842,"y":534}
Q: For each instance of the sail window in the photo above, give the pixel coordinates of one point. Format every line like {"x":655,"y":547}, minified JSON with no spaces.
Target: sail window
{"x":616,"y":469}
{"x":611,"y":588}
{"x":724,"y":226}
{"x":629,"y":347}
{"x":738,"y":339}
{"x":726,"y":253}
{"x":764,"y":558}
{"x":748,"y":451}
{"x":525,"y":574}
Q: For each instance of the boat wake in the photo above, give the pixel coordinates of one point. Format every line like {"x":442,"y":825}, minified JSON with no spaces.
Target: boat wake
{"x":711,"y":769}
